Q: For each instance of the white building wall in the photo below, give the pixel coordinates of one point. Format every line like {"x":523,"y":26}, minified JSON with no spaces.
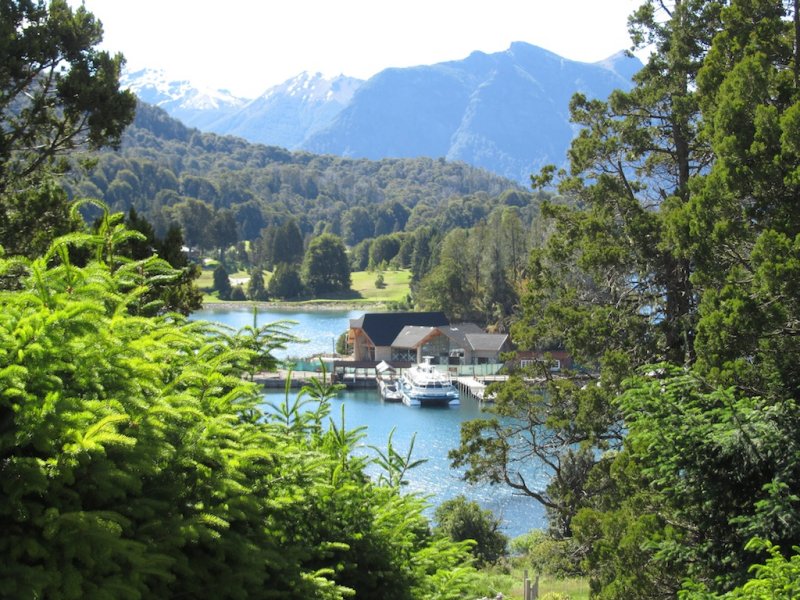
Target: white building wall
{"x":383,"y":353}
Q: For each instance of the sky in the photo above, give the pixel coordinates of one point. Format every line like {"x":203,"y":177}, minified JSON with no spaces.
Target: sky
{"x":248,"y":46}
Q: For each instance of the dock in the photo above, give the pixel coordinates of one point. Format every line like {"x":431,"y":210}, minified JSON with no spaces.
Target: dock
{"x":277,"y":379}
{"x":475,"y":387}
{"x":471,"y":386}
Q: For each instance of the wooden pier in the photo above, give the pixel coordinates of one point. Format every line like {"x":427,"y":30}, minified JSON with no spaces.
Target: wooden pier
{"x":361,"y":374}
{"x":475,"y":387}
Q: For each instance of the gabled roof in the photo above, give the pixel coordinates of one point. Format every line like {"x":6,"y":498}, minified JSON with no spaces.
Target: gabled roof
{"x":487,"y":342}
{"x":412,"y":336}
{"x":383,"y":328}
{"x":458,"y":333}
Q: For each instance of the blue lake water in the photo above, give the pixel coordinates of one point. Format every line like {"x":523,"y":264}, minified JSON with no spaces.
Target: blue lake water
{"x":320,"y":328}
{"x":437,"y":430}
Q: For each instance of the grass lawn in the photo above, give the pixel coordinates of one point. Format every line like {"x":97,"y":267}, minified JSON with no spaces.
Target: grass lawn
{"x":493,"y":580}
{"x":395,"y":285}
{"x":363,"y":290}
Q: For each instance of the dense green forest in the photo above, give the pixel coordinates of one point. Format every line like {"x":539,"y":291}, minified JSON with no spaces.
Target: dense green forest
{"x":169,"y":172}
{"x":136,"y":460}
{"x":672,"y":460}
{"x":260,"y":208}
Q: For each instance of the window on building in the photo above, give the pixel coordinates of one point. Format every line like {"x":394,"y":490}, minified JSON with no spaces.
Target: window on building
{"x":404,"y":354}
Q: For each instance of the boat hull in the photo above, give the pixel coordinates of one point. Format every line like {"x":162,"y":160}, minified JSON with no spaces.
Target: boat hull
{"x":423,"y":401}
{"x":422,"y":385}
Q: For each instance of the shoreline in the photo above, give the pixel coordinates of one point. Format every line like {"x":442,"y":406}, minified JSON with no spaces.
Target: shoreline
{"x":297,"y":306}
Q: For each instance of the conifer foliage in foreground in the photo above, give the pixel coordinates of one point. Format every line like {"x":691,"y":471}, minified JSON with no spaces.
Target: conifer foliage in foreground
{"x":135,"y":461}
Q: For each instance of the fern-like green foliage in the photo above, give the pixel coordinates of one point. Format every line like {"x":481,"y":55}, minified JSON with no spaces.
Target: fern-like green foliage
{"x":136,"y":460}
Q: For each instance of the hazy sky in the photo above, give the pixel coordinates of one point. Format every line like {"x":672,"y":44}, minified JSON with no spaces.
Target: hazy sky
{"x":246,"y":46}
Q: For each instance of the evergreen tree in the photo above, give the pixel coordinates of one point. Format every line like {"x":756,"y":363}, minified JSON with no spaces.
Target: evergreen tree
{"x":222,"y":283}
{"x":285,"y":282}
{"x":325,"y":267}
{"x":679,"y":248}
{"x":58,"y":93}
{"x":255,"y":287}
{"x":287,"y":244}
{"x":179,"y":293}
{"x":223,"y":230}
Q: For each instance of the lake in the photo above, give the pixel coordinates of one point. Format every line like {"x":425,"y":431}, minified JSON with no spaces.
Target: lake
{"x":437,"y":429}
{"x":320,"y":327}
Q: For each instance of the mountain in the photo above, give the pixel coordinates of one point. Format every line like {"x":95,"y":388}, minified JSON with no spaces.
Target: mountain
{"x":290,"y":112}
{"x":193,"y":106}
{"x":174,"y":173}
{"x":506,"y":112}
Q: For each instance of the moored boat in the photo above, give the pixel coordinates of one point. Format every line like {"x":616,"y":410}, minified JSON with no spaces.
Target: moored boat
{"x":390,"y":389}
{"x":424,"y":385}
{"x":388,"y":383}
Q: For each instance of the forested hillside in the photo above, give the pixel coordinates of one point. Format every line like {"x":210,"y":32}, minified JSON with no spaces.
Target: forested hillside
{"x":205,"y":182}
{"x":502,"y":111}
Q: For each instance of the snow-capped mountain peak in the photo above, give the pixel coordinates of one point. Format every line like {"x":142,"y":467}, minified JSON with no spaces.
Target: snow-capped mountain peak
{"x":195,"y":106}
{"x":316,"y":88}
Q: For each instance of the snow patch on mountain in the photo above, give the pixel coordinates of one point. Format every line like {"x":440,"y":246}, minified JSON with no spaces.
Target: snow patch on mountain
{"x":314,"y":88}
{"x":195,"y":106}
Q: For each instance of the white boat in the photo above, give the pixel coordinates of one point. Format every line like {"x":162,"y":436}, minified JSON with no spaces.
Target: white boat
{"x":388,"y":384}
{"x":390,"y":389}
{"x":424,"y":385}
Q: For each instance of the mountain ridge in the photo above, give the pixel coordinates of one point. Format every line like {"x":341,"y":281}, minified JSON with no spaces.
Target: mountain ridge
{"x":507,"y":111}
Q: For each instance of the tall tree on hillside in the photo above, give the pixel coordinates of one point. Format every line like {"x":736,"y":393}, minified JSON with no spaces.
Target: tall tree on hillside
{"x":515,"y":243}
{"x":222,"y":282}
{"x":709,"y":456}
{"x":609,"y":285}
{"x":256,"y":290}
{"x":718,"y":445}
{"x":58,"y":93}
{"x":325,"y":267}
{"x":196,"y":218}
{"x":450,"y":286}
{"x":357,"y":225}
{"x":287,"y":244}
{"x":223,"y":230}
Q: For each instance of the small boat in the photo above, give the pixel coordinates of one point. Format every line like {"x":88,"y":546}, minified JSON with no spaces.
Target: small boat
{"x":424,"y":385}
{"x":390,"y":389}
{"x":388,"y":384}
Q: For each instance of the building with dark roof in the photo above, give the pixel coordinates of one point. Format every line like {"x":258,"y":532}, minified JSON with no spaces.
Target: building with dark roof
{"x":408,"y":337}
{"x":372,"y":334}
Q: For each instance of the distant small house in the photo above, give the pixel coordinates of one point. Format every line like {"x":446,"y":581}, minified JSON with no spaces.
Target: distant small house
{"x":555,"y":360}
{"x":376,"y":336}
